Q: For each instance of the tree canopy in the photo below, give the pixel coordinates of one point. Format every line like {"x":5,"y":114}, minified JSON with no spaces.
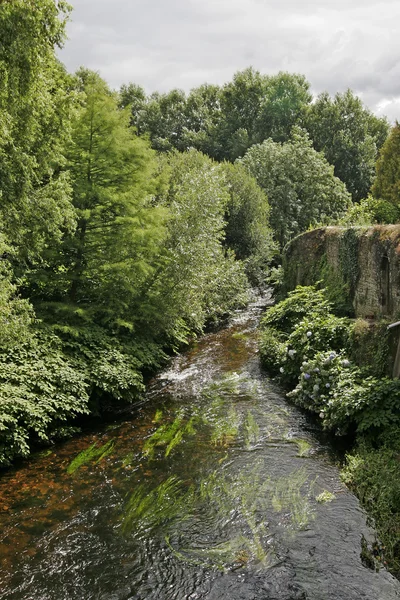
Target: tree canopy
{"x":35,"y":120}
{"x":300,"y":184}
{"x":350,"y":137}
{"x":387,"y":183}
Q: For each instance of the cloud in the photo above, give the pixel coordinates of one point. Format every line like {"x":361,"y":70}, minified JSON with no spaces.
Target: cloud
{"x":164,"y":44}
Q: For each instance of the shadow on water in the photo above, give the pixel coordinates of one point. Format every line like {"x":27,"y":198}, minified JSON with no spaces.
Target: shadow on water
{"x":215,"y":489}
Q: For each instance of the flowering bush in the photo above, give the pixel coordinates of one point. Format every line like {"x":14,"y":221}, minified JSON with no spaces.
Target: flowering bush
{"x":310,"y":336}
{"x":313,"y":356}
{"x":318,"y":389}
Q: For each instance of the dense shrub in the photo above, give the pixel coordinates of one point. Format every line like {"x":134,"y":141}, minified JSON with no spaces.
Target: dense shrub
{"x":315,"y":356}
{"x":374,"y":475}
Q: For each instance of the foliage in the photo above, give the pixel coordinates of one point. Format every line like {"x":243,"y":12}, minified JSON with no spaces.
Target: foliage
{"x":35,"y":112}
{"x":374,"y":475}
{"x":350,"y":137}
{"x":199,"y":281}
{"x":370,"y":211}
{"x":299,"y":303}
{"x":318,"y":361}
{"x":40,"y":391}
{"x":387,"y":183}
{"x":222,"y":122}
{"x":301,"y":187}
{"x":247,"y":230}
{"x":48,"y":380}
{"x":119,"y":231}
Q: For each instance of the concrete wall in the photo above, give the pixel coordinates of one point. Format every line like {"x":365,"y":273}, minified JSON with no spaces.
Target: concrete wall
{"x":363,"y":260}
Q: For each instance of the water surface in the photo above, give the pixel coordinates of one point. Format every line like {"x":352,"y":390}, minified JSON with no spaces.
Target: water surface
{"x":214,"y":489}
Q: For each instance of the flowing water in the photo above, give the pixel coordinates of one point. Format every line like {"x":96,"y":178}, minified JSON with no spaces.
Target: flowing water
{"x":214,"y":489}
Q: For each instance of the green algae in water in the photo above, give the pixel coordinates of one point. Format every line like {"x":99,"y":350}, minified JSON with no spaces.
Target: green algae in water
{"x":303,"y":446}
{"x":239,"y":336}
{"x":235,"y":552}
{"x":225,"y":428}
{"x":91,"y":454}
{"x":251,"y":431}
{"x":169,"y":501}
{"x":227,"y":385}
{"x":325,"y":497}
{"x":158,"y":416}
{"x":288,"y":496}
{"x":170,"y":435}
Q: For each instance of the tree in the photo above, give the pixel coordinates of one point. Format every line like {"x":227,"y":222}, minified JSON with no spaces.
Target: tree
{"x":35,"y":111}
{"x":222,"y":122}
{"x":350,"y":137}
{"x":387,"y":183}
{"x":300,"y":184}
{"x":284,"y":105}
{"x":119,"y":230}
{"x":163,"y":118}
{"x":256,"y":107}
{"x":199,"y":280}
{"x":247,"y":231}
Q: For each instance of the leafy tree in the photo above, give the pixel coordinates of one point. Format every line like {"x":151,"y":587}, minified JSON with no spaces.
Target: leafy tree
{"x":350,"y":137}
{"x":256,"y":107}
{"x":301,"y":187}
{"x":199,"y":281}
{"x":221,"y":122}
{"x":163,"y":118}
{"x":203,"y":116}
{"x":247,"y":231}
{"x":285,"y":102}
{"x":387,"y":183}
{"x":35,"y":111}
{"x":119,"y":231}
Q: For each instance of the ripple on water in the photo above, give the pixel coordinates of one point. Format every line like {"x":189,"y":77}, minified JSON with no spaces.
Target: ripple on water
{"x":215,"y":489}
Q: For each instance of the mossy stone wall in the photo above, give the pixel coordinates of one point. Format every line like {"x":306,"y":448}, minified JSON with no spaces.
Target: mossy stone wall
{"x":360,"y":266}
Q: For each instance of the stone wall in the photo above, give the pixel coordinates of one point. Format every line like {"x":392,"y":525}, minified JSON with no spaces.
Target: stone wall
{"x":361,"y":264}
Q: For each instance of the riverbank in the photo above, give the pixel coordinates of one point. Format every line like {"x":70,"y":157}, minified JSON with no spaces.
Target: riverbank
{"x":337,"y":368}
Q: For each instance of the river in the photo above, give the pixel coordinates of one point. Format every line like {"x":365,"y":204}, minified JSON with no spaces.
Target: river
{"x":215,"y":488}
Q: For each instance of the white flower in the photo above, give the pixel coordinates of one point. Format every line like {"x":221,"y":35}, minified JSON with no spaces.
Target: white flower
{"x":345,"y":362}
{"x":309,"y":334}
{"x":281,"y":370}
{"x":321,"y":414}
{"x":291,"y":353}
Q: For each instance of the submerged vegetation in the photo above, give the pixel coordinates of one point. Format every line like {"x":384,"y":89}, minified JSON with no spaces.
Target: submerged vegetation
{"x":247,"y":495}
{"x":336,"y":367}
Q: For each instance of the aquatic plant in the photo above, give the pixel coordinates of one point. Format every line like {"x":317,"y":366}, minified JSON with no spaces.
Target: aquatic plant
{"x":149,"y":508}
{"x":91,"y":454}
{"x":251,"y":431}
{"x":169,"y":435}
{"x":325,"y":497}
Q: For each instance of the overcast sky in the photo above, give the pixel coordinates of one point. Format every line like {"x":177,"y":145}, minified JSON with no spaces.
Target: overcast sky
{"x":166,"y":44}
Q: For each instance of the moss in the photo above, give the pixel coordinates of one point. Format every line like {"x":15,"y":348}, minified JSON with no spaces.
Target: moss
{"x":370,"y":347}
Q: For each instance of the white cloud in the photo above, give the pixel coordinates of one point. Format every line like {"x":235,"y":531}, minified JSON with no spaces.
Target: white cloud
{"x":162,"y":44}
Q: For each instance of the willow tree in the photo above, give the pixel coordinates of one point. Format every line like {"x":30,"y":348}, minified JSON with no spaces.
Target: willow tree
{"x":119,"y":230}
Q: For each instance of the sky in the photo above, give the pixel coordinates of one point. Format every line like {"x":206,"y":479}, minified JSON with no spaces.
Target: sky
{"x":167,"y":44}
